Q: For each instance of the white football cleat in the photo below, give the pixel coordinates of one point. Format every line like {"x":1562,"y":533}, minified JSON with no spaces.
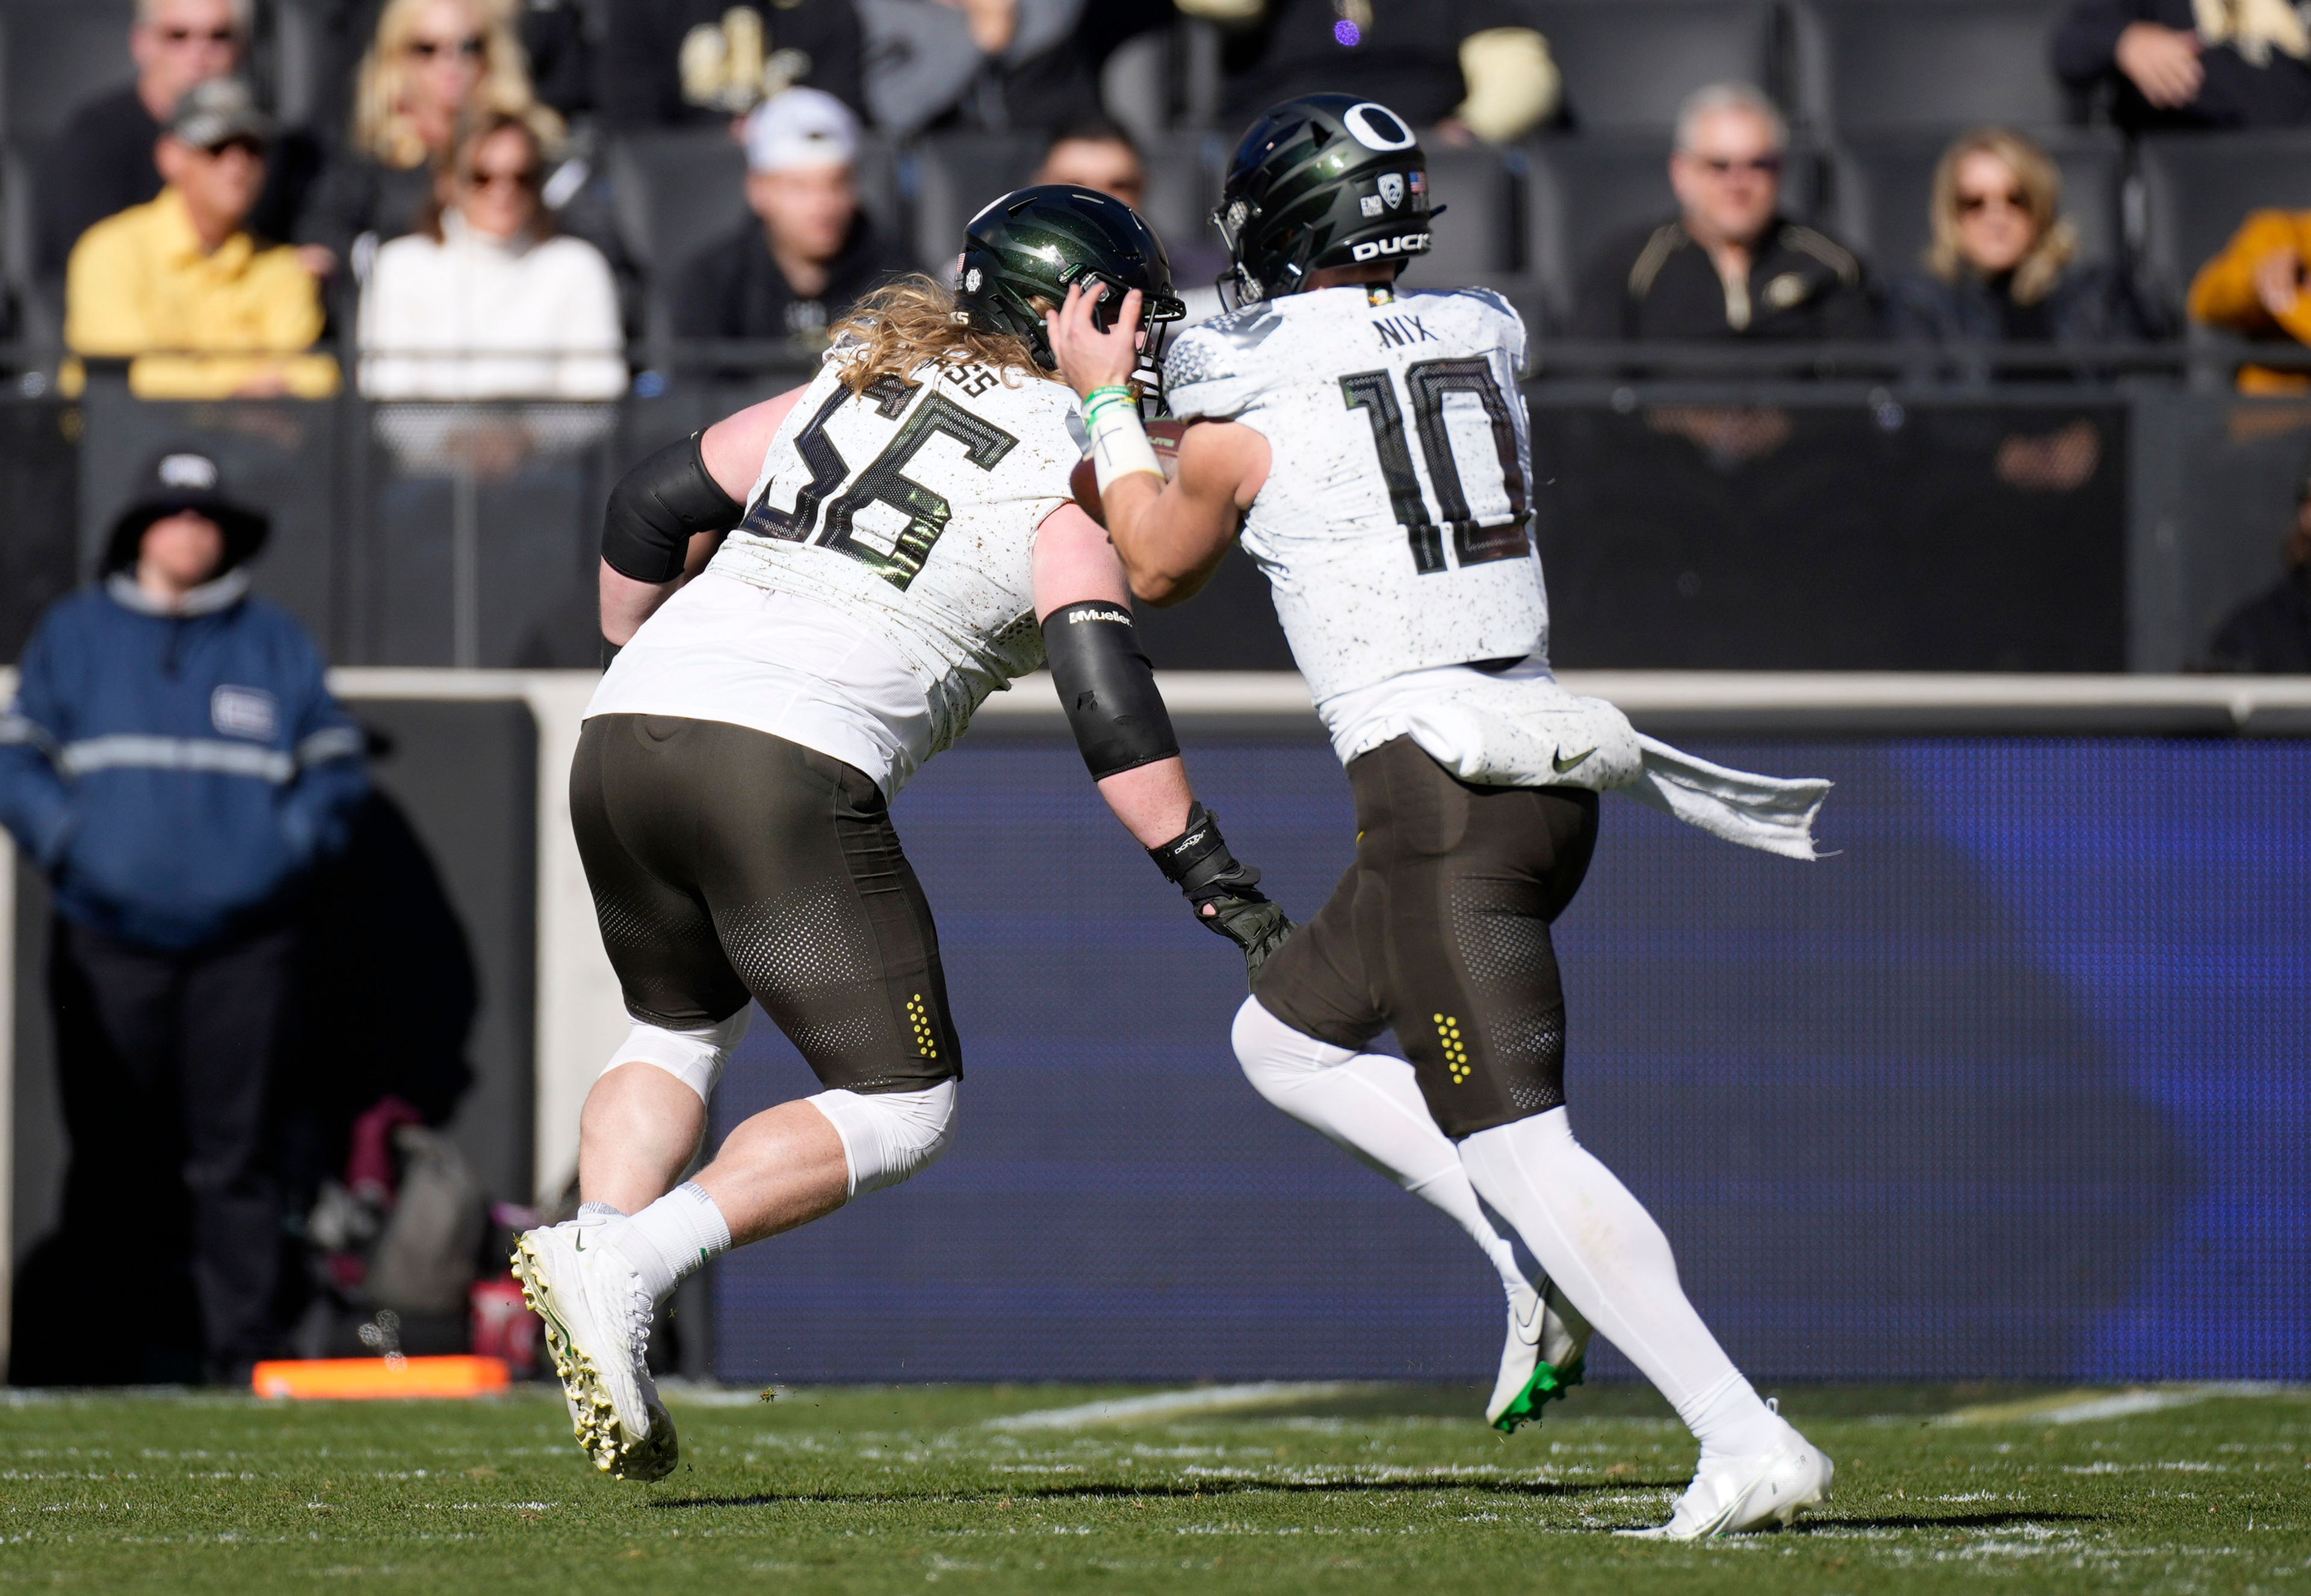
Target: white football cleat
{"x":598,"y":1322}
{"x":1540,"y":1360}
{"x":1731,"y":1494}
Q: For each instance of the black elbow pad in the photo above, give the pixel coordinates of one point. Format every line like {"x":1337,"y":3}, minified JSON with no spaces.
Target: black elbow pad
{"x":1108,"y":688}
{"x":659,"y":506}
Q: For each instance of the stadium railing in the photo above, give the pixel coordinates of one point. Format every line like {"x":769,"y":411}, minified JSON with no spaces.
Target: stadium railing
{"x":1829,"y":508}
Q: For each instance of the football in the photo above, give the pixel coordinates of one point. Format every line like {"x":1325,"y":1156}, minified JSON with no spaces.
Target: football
{"x":1165,"y":435}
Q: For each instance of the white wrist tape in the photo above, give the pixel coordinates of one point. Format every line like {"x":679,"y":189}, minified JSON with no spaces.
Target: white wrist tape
{"x":1119,"y":445}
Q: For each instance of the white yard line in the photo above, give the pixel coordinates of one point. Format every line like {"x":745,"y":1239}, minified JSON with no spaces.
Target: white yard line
{"x":1173,"y":1404}
{"x":2086,"y":1406}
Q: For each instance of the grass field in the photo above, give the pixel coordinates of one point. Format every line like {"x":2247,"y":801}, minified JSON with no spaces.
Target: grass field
{"x":1396,"y":1489}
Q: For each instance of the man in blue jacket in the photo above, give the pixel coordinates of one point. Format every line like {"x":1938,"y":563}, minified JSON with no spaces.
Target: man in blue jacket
{"x":176,"y":767}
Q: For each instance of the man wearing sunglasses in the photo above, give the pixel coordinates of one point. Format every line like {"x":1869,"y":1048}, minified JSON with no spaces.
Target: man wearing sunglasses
{"x":182,"y":289}
{"x":103,"y":163}
{"x":1730,"y":265}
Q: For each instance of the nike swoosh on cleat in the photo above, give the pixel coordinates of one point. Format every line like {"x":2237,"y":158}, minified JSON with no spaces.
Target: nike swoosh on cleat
{"x":1564,"y":765}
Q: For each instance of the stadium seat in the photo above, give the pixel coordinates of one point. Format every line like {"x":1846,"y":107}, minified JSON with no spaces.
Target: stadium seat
{"x":960,"y":173}
{"x":1478,"y":241}
{"x":1584,"y":191}
{"x":1628,"y":64}
{"x":1882,"y":188}
{"x":2197,"y":187}
{"x":677,"y":192}
{"x":300,"y":52}
{"x":58,"y":53}
{"x":1888,"y":65}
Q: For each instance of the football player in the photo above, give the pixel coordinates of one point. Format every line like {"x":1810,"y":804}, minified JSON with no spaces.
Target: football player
{"x":901,"y":542}
{"x":1370,"y":447}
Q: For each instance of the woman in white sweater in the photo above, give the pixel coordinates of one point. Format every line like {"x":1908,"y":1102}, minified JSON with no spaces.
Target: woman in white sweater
{"x":484,"y":301}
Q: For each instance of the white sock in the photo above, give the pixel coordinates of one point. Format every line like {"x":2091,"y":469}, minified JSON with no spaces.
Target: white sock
{"x":1371,"y":1105}
{"x":600,"y":1210}
{"x":673,"y":1238}
{"x":1610,"y":1260}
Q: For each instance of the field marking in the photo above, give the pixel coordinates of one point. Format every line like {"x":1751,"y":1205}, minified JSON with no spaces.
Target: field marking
{"x":2086,"y":1406}
{"x":1171,"y":1404}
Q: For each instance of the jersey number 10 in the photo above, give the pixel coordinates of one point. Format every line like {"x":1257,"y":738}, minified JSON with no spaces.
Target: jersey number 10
{"x":882,"y":481}
{"x":1428,"y":383}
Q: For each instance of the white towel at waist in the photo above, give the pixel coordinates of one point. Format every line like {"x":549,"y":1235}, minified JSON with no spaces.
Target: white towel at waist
{"x":1521,"y":729}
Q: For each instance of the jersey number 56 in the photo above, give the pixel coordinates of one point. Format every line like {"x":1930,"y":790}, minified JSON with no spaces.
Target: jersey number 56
{"x":1428,"y":382}
{"x":883,"y":480}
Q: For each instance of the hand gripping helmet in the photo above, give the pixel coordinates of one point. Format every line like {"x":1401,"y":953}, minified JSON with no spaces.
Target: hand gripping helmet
{"x":1322,"y":181}
{"x":1022,"y":253}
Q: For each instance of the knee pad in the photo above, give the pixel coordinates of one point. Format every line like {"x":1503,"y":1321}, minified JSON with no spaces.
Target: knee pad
{"x":1274,"y":1057}
{"x":694,"y":1058}
{"x":888,"y":1136}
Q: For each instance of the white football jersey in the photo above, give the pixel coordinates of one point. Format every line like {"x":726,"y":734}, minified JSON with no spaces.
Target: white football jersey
{"x":1395,"y":526}
{"x":912,"y":509}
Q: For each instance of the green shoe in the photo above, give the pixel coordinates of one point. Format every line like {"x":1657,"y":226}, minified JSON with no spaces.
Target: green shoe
{"x":1547,"y":1385}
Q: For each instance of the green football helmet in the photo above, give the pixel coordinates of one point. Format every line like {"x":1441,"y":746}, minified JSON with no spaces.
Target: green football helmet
{"x":1022,"y":253}
{"x":1323,"y":180}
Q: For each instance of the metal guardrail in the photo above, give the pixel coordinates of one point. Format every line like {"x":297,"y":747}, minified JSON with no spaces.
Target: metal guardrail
{"x":2204,"y":353}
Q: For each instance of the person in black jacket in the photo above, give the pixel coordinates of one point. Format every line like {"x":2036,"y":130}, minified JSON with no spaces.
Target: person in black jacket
{"x":668,"y":63}
{"x":175,"y":765}
{"x":1730,"y":265}
{"x":2271,"y":633}
{"x":1470,"y":69}
{"x":2181,"y":64}
{"x":810,"y":253}
{"x":2003,"y":267}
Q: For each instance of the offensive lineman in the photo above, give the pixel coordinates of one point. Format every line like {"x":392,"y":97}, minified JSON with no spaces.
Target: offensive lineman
{"x":905,"y":528}
{"x":1370,"y":447}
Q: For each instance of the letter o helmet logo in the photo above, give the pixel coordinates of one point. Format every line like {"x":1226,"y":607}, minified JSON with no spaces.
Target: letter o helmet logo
{"x":1376,"y":127}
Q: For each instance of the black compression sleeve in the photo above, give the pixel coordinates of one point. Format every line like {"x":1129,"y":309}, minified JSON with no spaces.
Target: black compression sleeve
{"x":1108,"y":688}
{"x":659,"y":506}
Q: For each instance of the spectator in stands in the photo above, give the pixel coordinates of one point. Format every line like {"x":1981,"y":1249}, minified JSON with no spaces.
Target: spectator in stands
{"x":551,"y":33}
{"x":484,"y":301}
{"x":2260,"y":287}
{"x":987,"y":65}
{"x":666,"y":63}
{"x":176,"y":767}
{"x":2002,"y":267}
{"x":1732,"y":265}
{"x":2191,"y":63}
{"x":1468,"y":69}
{"x":1098,"y":153}
{"x":2271,"y":633}
{"x":434,"y":66}
{"x":103,"y":163}
{"x":180,"y":288}
{"x":811,"y":251}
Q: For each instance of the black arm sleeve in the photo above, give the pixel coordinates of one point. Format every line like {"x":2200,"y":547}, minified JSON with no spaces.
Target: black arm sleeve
{"x":1108,"y":688}
{"x":659,"y":506}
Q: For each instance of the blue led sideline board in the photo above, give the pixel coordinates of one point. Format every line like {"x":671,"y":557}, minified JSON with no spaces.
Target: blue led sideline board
{"x":2019,"y":1085}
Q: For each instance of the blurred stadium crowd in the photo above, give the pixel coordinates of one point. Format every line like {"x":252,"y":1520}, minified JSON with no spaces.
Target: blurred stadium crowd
{"x":500,"y":198}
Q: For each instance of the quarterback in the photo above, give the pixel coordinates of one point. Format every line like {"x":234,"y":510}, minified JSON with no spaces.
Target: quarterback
{"x":901,"y":542}
{"x":1370,"y":448}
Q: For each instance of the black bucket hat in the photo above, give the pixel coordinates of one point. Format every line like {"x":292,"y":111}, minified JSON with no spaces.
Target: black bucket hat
{"x":181,"y":479}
